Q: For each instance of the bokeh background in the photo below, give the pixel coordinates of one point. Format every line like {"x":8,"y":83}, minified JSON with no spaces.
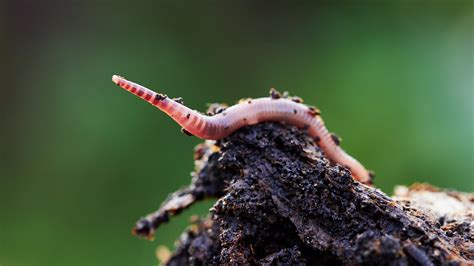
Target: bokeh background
{"x":81,"y":159}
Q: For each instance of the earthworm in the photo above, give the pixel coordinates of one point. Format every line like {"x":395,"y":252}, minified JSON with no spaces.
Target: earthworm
{"x":250,"y":112}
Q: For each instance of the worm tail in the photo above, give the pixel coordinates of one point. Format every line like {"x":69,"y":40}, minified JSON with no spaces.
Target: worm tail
{"x":192,"y":121}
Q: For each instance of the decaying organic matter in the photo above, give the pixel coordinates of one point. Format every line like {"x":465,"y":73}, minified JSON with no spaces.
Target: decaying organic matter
{"x":281,"y":202}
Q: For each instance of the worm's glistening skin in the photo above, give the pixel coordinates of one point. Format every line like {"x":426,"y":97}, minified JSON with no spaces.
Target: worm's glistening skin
{"x":250,"y":112}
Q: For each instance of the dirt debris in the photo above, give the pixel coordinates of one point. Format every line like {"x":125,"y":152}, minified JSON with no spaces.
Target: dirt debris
{"x":279,"y":201}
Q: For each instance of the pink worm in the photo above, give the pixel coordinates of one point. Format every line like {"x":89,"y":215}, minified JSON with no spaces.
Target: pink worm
{"x":249,"y":113}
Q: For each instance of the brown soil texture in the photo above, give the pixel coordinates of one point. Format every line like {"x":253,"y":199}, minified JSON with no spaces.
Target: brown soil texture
{"x":279,"y":201}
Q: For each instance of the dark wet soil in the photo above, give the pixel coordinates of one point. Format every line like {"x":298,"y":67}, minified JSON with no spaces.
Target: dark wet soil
{"x":279,"y":201}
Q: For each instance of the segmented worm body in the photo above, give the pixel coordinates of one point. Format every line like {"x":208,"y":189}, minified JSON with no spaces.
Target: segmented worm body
{"x":250,"y":112}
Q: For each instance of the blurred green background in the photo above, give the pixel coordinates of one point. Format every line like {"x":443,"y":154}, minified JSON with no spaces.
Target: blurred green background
{"x":81,"y":159}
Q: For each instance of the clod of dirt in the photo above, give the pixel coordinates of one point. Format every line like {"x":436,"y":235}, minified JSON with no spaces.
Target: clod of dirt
{"x":281,"y":202}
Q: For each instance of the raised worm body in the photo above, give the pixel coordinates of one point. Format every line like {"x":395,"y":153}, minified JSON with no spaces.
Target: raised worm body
{"x":250,"y":112}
